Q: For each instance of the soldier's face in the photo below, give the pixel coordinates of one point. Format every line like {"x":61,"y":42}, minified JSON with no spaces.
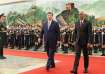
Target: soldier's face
{"x":3,"y":18}
{"x":49,"y":16}
{"x":68,"y":7}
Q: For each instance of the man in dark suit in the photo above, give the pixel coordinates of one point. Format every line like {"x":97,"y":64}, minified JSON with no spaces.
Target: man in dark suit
{"x":83,"y":30}
{"x":2,"y":35}
{"x":51,"y":33}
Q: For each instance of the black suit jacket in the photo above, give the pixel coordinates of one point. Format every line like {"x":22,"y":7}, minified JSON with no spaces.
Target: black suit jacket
{"x":52,"y":35}
{"x":83,"y":33}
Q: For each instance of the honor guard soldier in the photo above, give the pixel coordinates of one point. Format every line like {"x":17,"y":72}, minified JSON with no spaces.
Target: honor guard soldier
{"x":11,"y":38}
{"x":66,"y":39}
{"x":96,"y":40}
{"x":103,"y":43}
{"x":90,"y":46}
{"x":2,"y":35}
{"x":71,"y":40}
{"x":36,"y":37}
{"x":27,"y":39}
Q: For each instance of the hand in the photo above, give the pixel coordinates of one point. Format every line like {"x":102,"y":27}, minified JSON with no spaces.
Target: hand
{"x":74,"y":43}
{"x":58,"y":43}
{"x":88,"y":45}
{"x":39,"y":40}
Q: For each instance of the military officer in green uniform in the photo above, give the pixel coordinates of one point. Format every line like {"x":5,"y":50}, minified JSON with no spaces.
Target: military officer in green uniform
{"x":68,"y":16}
{"x":2,"y":35}
{"x":74,"y":14}
{"x":62,"y":18}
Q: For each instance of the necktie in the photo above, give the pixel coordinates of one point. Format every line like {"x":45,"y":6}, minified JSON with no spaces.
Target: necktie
{"x":81,"y":23}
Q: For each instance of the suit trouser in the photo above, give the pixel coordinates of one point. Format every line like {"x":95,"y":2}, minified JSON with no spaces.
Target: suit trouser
{"x":1,"y":50}
{"x":50,"y":54}
{"x":77,"y":57}
{"x":1,"y":46}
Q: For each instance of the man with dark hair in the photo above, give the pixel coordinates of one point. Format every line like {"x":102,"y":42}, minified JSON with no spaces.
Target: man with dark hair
{"x":2,"y":35}
{"x":83,"y":30}
{"x":51,"y":33}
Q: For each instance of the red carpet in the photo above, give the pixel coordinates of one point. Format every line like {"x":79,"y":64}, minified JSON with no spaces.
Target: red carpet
{"x":97,"y":64}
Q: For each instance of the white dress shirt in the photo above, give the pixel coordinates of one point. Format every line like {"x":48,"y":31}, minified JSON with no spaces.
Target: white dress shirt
{"x":49,"y":24}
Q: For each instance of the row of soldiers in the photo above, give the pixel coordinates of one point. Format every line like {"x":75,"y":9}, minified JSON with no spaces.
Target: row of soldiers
{"x":97,"y":41}
{"x":27,"y":37}
{"x":23,"y":37}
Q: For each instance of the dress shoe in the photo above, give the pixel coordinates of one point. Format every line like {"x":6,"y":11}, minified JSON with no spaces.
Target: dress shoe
{"x":47,"y":68}
{"x":86,"y":71}
{"x":65,"y":52}
{"x":2,"y":57}
{"x":103,"y":55}
{"x":53,"y":66}
{"x":74,"y":72}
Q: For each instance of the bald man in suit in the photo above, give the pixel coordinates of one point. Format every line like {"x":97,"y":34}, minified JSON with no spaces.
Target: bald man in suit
{"x":83,"y":31}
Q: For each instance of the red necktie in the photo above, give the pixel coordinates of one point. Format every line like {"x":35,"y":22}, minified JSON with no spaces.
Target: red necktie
{"x":81,"y":23}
